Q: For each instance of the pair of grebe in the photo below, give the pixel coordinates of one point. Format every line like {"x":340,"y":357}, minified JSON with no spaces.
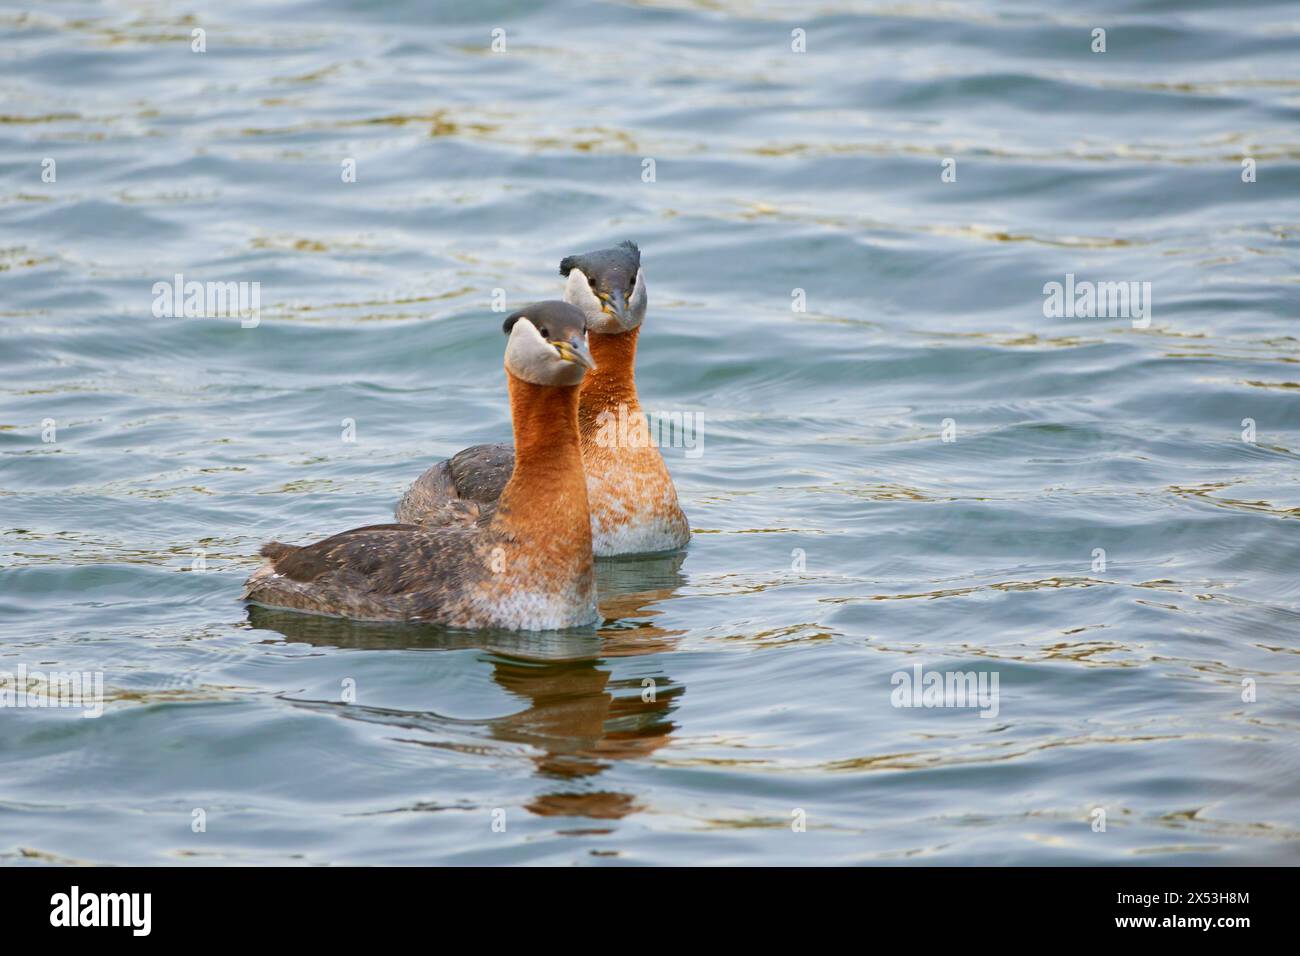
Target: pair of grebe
{"x":504,"y":536}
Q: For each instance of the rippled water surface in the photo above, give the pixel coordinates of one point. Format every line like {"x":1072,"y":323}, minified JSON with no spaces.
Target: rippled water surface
{"x":920,"y":468}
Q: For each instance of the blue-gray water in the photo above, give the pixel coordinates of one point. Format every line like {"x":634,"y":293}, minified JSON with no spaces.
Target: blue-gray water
{"x":839,"y":538}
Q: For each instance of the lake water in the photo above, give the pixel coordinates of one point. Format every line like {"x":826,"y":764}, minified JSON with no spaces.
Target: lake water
{"x":906,"y":464}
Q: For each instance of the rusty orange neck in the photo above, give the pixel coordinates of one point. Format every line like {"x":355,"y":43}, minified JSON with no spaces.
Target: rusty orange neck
{"x":613,"y":381}
{"x":548,"y":484}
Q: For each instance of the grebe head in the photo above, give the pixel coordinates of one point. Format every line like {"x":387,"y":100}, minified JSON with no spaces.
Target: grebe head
{"x":608,"y":286}
{"x":548,"y":344}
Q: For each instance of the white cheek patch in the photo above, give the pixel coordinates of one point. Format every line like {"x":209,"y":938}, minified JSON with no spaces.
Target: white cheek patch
{"x":533,"y":359}
{"x":526,"y":352}
{"x":637,"y":304}
{"x":577,"y":292}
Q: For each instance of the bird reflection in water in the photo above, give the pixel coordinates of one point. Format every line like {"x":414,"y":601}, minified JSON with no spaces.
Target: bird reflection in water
{"x":579,"y":718}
